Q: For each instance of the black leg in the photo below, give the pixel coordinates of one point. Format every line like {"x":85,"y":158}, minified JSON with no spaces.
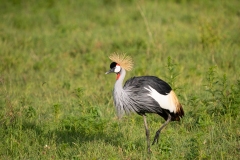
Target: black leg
{"x":159,"y":131}
{"x":147,"y":133}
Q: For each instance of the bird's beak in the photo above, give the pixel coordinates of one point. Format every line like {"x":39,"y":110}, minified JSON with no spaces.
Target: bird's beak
{"x":110,"y":71}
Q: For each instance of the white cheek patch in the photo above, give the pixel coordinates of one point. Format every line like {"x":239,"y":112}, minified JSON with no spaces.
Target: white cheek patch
{"x":165,"y":101}
{"x":117,"y":69}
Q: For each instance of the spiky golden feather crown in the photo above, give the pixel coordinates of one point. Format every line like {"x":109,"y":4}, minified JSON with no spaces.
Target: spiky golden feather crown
{"x":123,"y":60}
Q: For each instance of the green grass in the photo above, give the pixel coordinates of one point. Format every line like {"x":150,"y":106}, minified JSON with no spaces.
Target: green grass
{"x":56,"y":102}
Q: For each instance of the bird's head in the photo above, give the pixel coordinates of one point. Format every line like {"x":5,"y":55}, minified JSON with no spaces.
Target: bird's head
{"x":114,"y":68}
{"x":120,"y":61}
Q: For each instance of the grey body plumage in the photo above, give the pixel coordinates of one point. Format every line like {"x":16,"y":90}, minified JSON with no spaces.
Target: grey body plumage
{"x":133,"y":96}
{"x":145,"y":94}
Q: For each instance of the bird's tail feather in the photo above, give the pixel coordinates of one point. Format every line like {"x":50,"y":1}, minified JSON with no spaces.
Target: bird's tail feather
{"x":179,"y":109}
{"x":179,"y":114}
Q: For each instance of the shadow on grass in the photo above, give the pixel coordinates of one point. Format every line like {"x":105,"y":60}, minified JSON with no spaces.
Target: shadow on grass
{"x":70,"y":135}
{"x":78,"y":136}
{"x":87,"y":128}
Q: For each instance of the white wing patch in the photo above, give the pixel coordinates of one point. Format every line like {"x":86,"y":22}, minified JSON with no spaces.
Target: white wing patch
{"x":165,"y":101}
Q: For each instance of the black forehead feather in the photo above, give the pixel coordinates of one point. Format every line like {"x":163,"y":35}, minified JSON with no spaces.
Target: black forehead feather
{"x":113,"y":64}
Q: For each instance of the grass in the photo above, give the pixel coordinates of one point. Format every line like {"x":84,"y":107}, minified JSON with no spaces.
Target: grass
{"x":56,"y":102}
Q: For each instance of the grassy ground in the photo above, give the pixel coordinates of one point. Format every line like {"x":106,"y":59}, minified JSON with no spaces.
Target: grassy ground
{"x":56,"y":102}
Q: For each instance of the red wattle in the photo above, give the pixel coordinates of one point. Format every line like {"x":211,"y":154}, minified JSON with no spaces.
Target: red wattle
{"x":118,"y":75}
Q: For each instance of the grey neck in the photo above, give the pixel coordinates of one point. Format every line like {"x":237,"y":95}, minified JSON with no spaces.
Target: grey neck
{"x":119,"y":94}
{"x":122,"y":100}
{"x":119,"y":81}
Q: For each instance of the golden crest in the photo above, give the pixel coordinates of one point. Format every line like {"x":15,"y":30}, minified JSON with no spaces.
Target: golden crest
{"x":123,"y":60}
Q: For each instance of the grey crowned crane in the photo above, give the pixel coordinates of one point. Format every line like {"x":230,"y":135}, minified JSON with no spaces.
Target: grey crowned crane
{"x":144,"y":94}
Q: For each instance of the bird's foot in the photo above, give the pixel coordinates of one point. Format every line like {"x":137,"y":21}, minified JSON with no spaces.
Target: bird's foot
{"x":156,"y":138}
{"x":149,"y":150}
